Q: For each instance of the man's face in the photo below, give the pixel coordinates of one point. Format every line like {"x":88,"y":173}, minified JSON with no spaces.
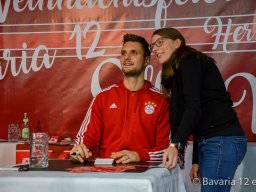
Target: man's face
{"x":132,"y":59}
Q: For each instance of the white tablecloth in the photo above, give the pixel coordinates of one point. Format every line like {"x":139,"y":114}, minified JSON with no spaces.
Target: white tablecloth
{"x":152,"y":180}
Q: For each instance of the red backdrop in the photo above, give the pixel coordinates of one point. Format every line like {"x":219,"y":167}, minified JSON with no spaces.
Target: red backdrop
{"x":55,"y":56}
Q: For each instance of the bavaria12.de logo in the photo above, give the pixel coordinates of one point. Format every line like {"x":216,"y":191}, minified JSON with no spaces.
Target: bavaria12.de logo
{"x":149,"y":107}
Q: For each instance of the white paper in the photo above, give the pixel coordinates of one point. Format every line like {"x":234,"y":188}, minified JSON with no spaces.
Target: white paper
{"x":103,"y":161}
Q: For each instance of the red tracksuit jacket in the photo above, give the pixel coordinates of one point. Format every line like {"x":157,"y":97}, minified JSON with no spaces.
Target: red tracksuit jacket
{"x":119,"y":119}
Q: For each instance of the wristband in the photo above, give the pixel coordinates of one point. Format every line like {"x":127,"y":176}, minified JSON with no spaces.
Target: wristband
{"x":173,"y":145}
{"x":176,"y":145}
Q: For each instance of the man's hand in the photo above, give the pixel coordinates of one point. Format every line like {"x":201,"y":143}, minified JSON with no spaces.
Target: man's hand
{"x":80,"y":153}
{"x":170,"y":157}
{"x":125,"y":156}
{"x":194,"y":174}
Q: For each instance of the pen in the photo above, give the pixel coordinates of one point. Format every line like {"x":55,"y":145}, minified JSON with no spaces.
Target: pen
{"x":78,"y":153}
{"x":75,"y":153}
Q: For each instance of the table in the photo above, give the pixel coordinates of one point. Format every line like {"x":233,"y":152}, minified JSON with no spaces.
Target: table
{"x":55,"y":152}
{"x":151,"y":180}
{"x":15,"y":153}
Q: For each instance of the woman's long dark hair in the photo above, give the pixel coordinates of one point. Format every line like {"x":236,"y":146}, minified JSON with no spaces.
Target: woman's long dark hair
{"x":174,"y":61}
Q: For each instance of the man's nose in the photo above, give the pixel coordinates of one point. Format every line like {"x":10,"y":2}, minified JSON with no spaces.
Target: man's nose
{"x":127,"y":56}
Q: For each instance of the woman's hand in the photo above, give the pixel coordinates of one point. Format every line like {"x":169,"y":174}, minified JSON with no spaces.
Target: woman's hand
{"x":194,"y":174}
{"x":170,"y":157}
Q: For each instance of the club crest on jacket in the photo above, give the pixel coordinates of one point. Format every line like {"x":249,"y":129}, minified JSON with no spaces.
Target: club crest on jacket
{"x":149,"y":107}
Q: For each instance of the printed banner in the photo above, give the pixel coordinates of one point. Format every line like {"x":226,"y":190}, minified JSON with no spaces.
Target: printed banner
{"x":55,"y":55}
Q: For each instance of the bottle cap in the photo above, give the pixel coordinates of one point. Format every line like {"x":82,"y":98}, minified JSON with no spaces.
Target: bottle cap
{"x":25,"y":119}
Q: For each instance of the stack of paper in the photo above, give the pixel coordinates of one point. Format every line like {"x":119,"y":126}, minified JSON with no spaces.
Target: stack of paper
{"x":103,"y":161}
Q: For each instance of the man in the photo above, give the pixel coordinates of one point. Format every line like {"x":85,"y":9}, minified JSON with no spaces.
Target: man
{"x":129,"y":120}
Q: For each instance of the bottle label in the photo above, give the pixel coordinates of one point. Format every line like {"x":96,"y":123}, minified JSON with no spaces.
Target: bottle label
{"x":25,"y":133}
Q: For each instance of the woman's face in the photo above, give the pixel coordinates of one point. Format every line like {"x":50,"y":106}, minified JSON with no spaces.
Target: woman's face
{"x":163,"y":47}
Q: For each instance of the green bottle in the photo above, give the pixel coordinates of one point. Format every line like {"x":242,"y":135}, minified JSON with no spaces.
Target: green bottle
{"x":25,"y":128}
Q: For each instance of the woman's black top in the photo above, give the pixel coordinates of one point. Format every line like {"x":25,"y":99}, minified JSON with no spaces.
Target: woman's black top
{"x":200,"y":104}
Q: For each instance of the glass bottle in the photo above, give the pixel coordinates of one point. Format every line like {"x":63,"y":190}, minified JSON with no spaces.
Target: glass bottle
{"x":25,"y":128}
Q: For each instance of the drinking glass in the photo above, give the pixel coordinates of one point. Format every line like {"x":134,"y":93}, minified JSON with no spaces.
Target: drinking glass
{"x":13,"y":132}
{"x":39,"y":150}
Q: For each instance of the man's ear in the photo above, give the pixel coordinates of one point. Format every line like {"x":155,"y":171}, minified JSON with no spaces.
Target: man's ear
{"x":147,"y":60}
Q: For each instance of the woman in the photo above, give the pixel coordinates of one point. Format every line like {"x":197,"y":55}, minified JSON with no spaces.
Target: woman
{"x":199,"y":105}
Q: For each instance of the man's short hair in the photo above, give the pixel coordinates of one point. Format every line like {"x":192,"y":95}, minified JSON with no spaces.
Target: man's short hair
{"x":136,"y":38}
